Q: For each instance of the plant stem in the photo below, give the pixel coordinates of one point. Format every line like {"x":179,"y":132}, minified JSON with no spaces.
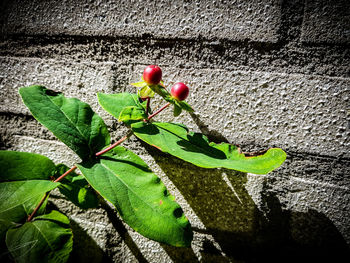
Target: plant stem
{"x":30,"y":217}
{"x":147,"y":107}
{"x":66,"y":173}
{"x":158,"y":111}
{"x":114,"y":145}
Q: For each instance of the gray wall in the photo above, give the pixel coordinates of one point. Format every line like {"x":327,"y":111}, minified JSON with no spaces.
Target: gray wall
{"x":262,"y":73}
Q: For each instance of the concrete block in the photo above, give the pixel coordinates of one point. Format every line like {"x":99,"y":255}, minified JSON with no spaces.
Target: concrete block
{"x":239,"y":20}
{"x":326,"y":22}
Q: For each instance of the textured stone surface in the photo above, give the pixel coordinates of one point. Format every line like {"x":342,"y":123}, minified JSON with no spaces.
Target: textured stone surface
{"x":326,"y":21}
{"x":275,"y":74}
{"x":239,"y":20}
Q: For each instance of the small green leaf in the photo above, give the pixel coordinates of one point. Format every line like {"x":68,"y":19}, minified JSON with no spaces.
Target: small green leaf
{"x":160,"y":90}
{"x":77,"y":189}
{"x":115,"y":103}
{"x":142,"y":200}
{"x":4,"y":226}
{"x":139,"y":84}
{"x":132,"y":113}
{"x":46,"y":239}
{"x":196,"y":149}
{"x":177,"y":110}
{"x":185,"y":106}
{"x":146,"y":92}
{"x":16,"y":166}
{"x":21,"y":197}
{"x":71,"y":120}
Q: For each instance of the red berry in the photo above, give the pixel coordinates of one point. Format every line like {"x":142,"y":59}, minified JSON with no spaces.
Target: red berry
{"x":152,"y":75}
{"x":180,"y":91}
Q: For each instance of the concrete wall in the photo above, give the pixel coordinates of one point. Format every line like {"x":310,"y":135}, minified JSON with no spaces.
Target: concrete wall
{"x":262,"y":73}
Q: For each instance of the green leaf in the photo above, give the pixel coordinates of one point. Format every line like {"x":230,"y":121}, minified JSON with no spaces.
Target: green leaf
{"x":71,"y":120}
{"x":142,"y":200}
{"x":196,"y":149}
{"x":185,"y":106}
{"x":16,"y":166}
{"x":77,"y":189}
{"x":19,"y":198}
{"x":132,"y":113}
{"x":145,"y":92}
{"x":46,"y":239}
{"x":114,"y":104}
{"x":4,"y":226}
{"x":140,"y":84}
{"x":177,"y":110}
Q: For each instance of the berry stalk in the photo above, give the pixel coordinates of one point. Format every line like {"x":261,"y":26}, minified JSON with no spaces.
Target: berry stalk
{"x":158,"y":111}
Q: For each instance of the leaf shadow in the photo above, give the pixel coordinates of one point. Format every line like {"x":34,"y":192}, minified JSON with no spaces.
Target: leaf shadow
{"x":85,"y":248}
{"x":243,"y":231}
{"x":196,"y":139}
{"x":143,"y":168}
{"x":123,"y":232}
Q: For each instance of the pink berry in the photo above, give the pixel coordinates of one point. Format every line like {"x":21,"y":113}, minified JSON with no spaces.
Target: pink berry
{"x":152,"y":75}
{"x":180,"y":91}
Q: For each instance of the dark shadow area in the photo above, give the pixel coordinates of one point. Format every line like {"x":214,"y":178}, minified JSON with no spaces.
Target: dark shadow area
{"x":213,"y":135}
{"x":180,"y":254}
{"x":85,"y":248}
{"x":244,"y":232}
{"x":123,"y":232}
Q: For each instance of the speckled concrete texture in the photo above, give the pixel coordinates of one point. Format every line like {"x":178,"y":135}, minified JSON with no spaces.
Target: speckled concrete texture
{"x":324,"y":22}
{"x":256,"y":20}
{"x":261,"y":74}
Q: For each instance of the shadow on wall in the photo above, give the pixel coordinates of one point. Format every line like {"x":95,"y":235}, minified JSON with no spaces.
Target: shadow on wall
{"x":244,"y":232}
{"x":85,"y":249}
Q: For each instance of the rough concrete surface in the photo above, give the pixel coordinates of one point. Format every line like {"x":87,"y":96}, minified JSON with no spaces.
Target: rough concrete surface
{"x":324,"y":22}
{"x":256,"y":20}
{"x":261,"y":73}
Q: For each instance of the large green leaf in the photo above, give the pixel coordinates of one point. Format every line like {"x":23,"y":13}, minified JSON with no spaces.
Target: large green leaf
{"x":16,"y":166}
{"x":46,"y":239}
{"x":19,"y":198}
{"x":132,"y":113}
{"x":141,"y":198}
{"x":114,"y":104}
{"x":77,"y":189}
{"x":195,"y":148}
{"x":71,"y":120}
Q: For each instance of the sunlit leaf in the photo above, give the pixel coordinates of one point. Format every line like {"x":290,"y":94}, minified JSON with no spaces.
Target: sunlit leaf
{"x":140,"y":197}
